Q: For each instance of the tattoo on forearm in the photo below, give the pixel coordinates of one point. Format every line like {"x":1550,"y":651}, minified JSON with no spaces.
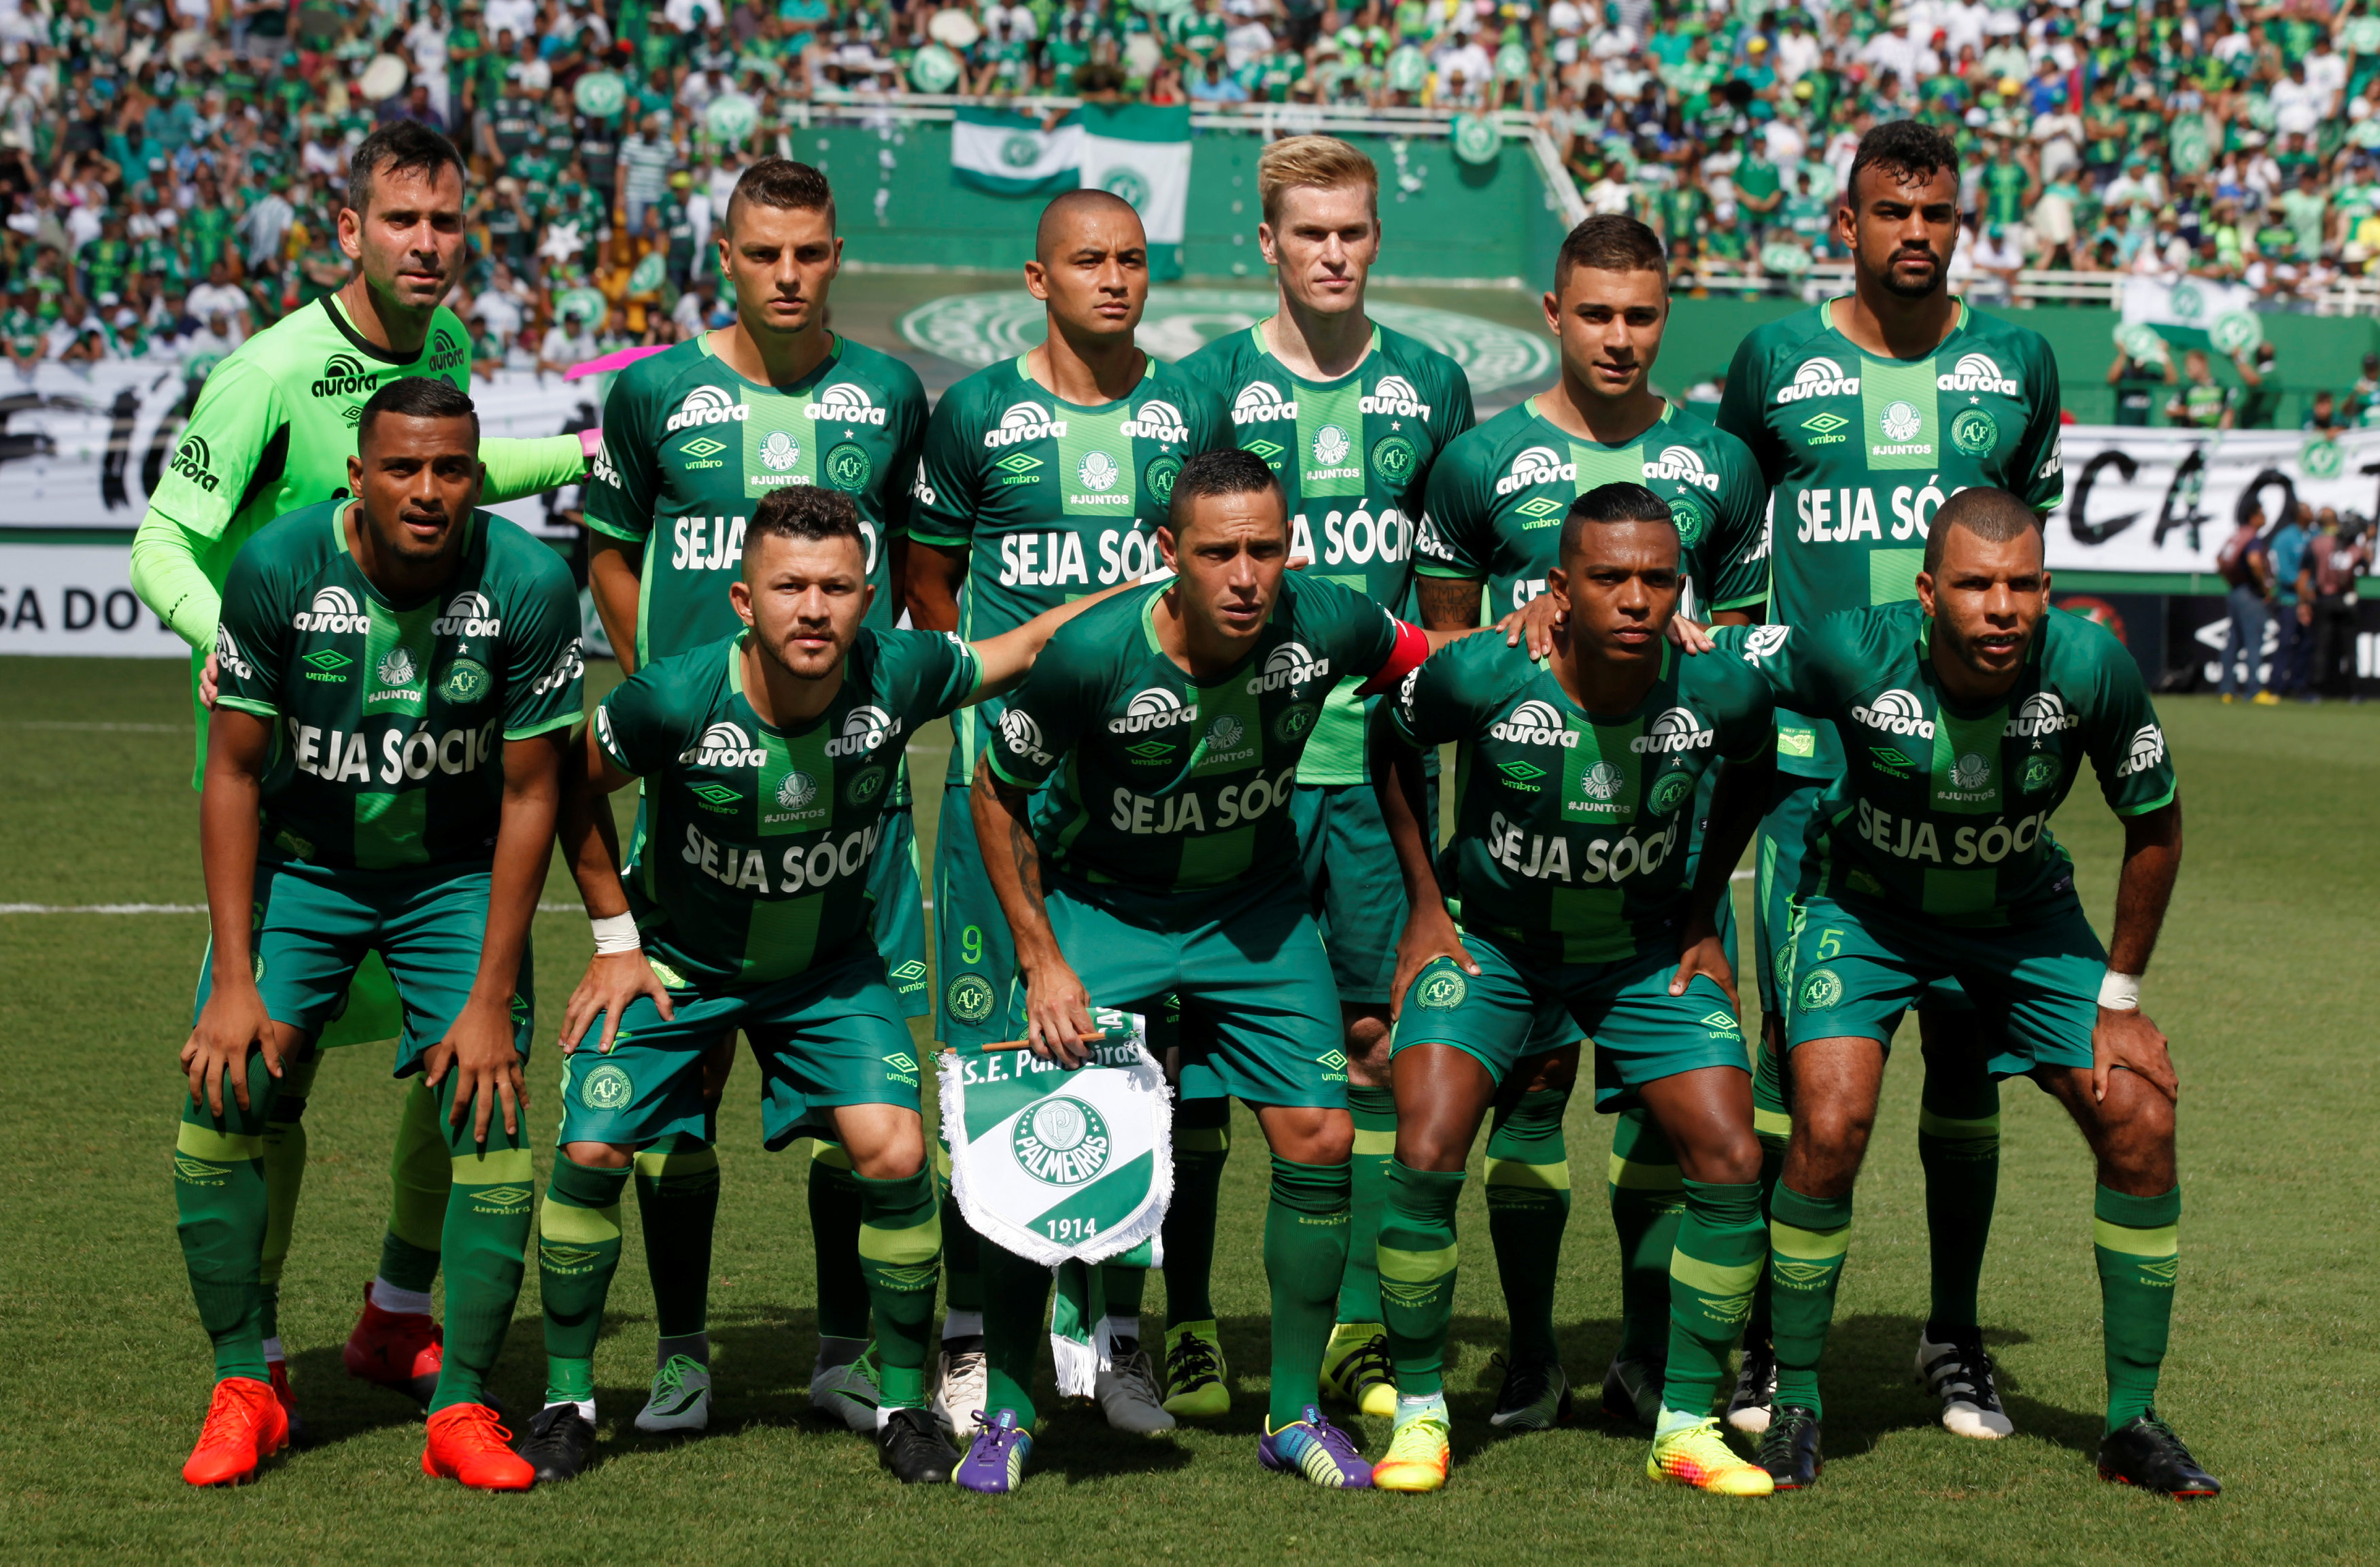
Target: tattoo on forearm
{"x":1447,"y":603}
{"x":1028,"y":859}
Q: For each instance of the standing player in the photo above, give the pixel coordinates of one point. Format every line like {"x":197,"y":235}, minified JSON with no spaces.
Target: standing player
{"x":1941,"y":866}
{"x":697,"y":435}
{"x":769,"y":753}
{"x":383,"y":762}
{"x":1351,"y":416}
{"x":1578,"y":782}
{"x":273,"y":430}
{"x":1170,"y":857}
{"x":1865,"y":414}
{"x":1044,"y":478}
{"x":1496,"y":508}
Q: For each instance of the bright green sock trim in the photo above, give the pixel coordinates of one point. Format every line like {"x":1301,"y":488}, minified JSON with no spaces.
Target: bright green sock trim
{"x":2139,"y":1264}
{"x":1808,"y":1239}
{"x":900,"y":1254}
{"x":1772,"y":1124}
{"x":1722,"y":1246}
{"x":1945,"y":1127}
{"x":677,"y":1205}
{"x":218,"y":1148}
{"x":1420,"y":1254}
{"x":492,"y":1167}
{"x":680,"y":1163}
{"x":418,"y":1174}
{"x":1648,"y":1198}
{"x":1808,"y":1246}
{"x":1306,"y":1224}
{"x":1373,"y":1111}
{"x":1536,"y":1177}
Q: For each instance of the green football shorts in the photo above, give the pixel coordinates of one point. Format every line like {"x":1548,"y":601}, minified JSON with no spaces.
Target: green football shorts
{"x":316,"y":926}
{"x":1641,"y":1033}
{"x":1783,"y":858}
{"x":833,"y":1036}
{"x":1352,"y":880}
{"x":974,"y":958}
{"x":900,"y":930}
{"x":1259,"y":1016}
{"x":1859,"y":965}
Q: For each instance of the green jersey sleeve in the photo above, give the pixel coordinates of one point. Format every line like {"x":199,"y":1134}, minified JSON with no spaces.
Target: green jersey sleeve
{"x":543,"y":666}
{"x":1739,"y":403}
{"x":1047,"y":714}
{"x":947,"y":494}
{"x":645,"y":722}
{"x":1798,"y":665}
{"x":1357,"y":635}
{"x":1456,"y":538}
{"x":909,"y":439}
{"x":2125,"y":743}
{"x":1451,"y":697}
{"x":225,"y":449}
{"x":932,"y":673}
{"x":250,"y":637}
{"x":1739,"y":544}
{"x":626,"y":473}
{"x":2040,"y":452}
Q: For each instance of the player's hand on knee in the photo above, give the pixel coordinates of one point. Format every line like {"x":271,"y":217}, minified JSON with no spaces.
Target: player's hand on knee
{"x":612,"y":982}
{"x":1691,"y":637}
{"x":2127,"y":1040}
{"x":229,"y":1026}
{"x":1537,"y":621}
{"x":479,"y":1048}
{"x":1057,"y":1013}
{"x":208,"y":681}
{"x":1701,"y":952}
{"x":1429,"y":934}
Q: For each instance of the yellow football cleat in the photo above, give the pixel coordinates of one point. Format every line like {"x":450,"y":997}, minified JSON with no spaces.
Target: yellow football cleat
{"x":1194,"y":1387}
{"x":1417,"y":1456}
{"x":1355,"y":1368}
{"x":1696,"y":1455}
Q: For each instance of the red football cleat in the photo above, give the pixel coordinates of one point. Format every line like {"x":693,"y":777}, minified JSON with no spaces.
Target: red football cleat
{"x":245,"y":1426}
{"x":398,"y":1349}
{"x":279,"y":1370}
{"x":468,"y":1444}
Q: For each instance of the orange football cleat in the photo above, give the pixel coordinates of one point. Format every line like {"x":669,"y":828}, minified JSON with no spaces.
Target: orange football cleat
{"x":245,"y":1426}
{"x":469,"y":1444}
{"x":279,"y":1370}
{"x":398,"y":1349}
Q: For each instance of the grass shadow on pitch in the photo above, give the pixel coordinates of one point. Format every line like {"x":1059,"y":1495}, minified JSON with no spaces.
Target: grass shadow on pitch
{"x":1870,"y":1384}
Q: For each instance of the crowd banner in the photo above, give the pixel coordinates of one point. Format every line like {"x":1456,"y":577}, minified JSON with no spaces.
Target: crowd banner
{"x":2142,"y":500}
{"x":1007,"y":153}
{"x":1143,"y":155}
{"x":2197,"y":312}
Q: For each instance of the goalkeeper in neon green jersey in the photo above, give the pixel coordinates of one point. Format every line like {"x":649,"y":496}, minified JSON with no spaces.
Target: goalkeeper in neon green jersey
{"x":273,"y":430}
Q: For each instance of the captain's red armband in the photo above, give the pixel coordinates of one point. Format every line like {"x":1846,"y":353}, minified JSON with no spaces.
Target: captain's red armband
{"x":1412,"y":648}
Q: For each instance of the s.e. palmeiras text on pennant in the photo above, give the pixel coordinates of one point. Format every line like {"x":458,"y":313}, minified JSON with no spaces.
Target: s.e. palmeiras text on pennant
{"x":1056,"y":1165}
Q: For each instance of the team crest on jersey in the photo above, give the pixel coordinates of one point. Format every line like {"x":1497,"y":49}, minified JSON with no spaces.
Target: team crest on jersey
{"x":1157,"y":420}
{"x":1393,"y":460}
{"x":1682,"y":464}
{"x":1976,"y":372}
{"x":1896,"y":713}
{"x":1394,"y":395}
{"x":465,"y":682}
{"x":1970,"y":773}
{"x":1260,"y":402}
{"x":1602,"y":782}
{"x":1224,"y":737}
{"x":780,"y":452}
{"x":396,"y":672}
{"x":1534,"y":723}
{"x":1674,"y":733}
{"x":1670,"y":792}
{"x":797,"y":790}
{"x":2146,"y":751}
{"x":1098,"y":473}
{"x":1024,"y":736}
{"x":469,"y":614}
{"x":844,"y":404}
{"x":1022,"y":422}
{"x":848,"y":467}
{"x":2041,"y":772}
{"x":1819,"y":377}
{"x":865,"y":786}
{"x":1289,"y":664}
{"x":1158,"y":476}
{"x":1331,"y":446}
{"x":707,"y":404}
{"x":334,"y":611}
{"x":1295,"y":722}
{"x":1688,"y":517}
{"x":1153,"y":708}
{"x":969,"y":998}
{"x":1900,"y":421}
{"x":1975,"y":431}
{"x":864,"y":729}
{"x":1537,"y":465}
{"x":2041,"y":713}
{"x":722,"y":744}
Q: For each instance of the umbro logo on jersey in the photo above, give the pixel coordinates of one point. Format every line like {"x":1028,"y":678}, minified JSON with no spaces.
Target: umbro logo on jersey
{"x":194,"y":461}
{"x":1535,"y":723}
{"x":723,"y":744}
{"x":334,"y":610}
{"x":1157,"y":420}
{"x":1289,"y":664}
{"x":864,"y":729}
{"x":1896,"y":712}
{"x":1396,"y":395}
{"x":1024,"y":421}
{"x":1682,"y":464}
{"x":2044,"y":712}
{"x":2146,"y":751}
{"x":343,"y":375}
{"x":1153,"y":708}
{"x":228,"y":657}
{"x":1819,"y":378}
{"x":844,"y":404}
{"x":1024,"y":736}
{"x":1676,"y":730}
{"x":1537,"y":465}
{"x":467,"y":614}
{"x":1976,"y":372}
{"x":707,"y":404}
{"x":1260,"y":402}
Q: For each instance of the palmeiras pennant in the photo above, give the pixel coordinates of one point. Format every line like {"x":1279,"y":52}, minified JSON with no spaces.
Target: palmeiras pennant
{"x":1056,"y":1165}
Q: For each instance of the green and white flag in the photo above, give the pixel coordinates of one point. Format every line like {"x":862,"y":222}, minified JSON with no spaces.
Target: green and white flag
{"x":1010,"y":155}
{"x":1142,"y":153}
{"x":1057,"y":1165}
{"x":2185,"y":312}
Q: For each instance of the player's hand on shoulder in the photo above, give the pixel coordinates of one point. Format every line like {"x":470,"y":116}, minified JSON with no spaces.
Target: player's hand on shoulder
{"x":1537,"y":621}
{"x":210,"y":682}
{"x":611,"y":985}
{"x":1429,"y":934}
{"x":2129,"y":1041}
{"x":1690,"y":636}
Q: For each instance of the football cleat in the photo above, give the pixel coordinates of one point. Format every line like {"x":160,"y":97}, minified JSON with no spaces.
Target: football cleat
{"x":2146,"y":1454}
{"x":279,"y":1372}
{"x":1697,"y":1455}
{"x":994,"y":1463}
{"x":962,"y":1382}
{"x":1418,"y":1454}
{"x":681,"y":1397}
{"x":1632,"y":1391}
{"x":1355,"y":1368}
{"x":911,"y":1445}
{"x":1756,"y":1390}
{"x":1195,"y":1372}
{"x":559,"y":1443}
{"x":398,"y":1349}
{"x":1957,"y":1370}
{"x":848,"y":1393}
{"x":1789,"y":1448}
{"x":245,"y":1426}
{"x":1127,"y":1391}
{"x":1533,"y":1396}
{"x":468,"y":1444}
{"x":1315,"y":1448}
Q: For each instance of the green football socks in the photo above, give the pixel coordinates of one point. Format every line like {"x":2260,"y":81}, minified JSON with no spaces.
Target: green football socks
{"x":1305,"y":1255}
{"x":419,"y":1175}
{"x":1713,"y":1273}
{"x":1528,"y":1207}
{"x":1417,"y":1265}
{"x":2139,"y":1252}
{"x":285,"y":1175}
{"x":483,"y":1247}
{"x":834,"y":1203}
{"x":677,"y":1205}
{"x":962,"y":1258}
{"x":1958,"y":1144}
{"x":1375,"y":1112}
{"x":1807,"y":1237}
{"x":1648,"y":1198}
{"x":900,"y":1247}
{"x":1016,"y":1301}
{"x":577,"y":1255}
{"x":220,"y":1197}
{"x":1772,"y":1122}
{"x":1202,"y":1145}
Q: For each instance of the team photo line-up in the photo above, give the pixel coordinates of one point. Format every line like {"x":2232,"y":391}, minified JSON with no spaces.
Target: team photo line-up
{"x":1199,"y":630}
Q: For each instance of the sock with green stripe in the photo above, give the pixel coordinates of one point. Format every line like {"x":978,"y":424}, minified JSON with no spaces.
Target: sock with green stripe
{"x":1648,"y":1196}
{"x":1418,"y":1264}
{"x":1528,"y":1207}
{"x":2136,"y":1240}
{"x":483,"y":1247}
{"x":1305,"y":1255}
{"x":901,"y":1258}
{"x":223,"y":1206}
{"x":1713,"y":1274}
{"x":1807,"y":1238}
{"x":285,"y":1175}
{"x":1202,"y":1144}
{"x":1015,"y":1304}
{"x":834,"y":1203}
{"x":577,"y":1255}
{"x":1958,"y":1144}
{"x":1375,"y":1112}
{"x":678,"y":1204}
{"x":961,"y":1258}
{"x":419,"y":1175}
{"x":1772,"y":1122}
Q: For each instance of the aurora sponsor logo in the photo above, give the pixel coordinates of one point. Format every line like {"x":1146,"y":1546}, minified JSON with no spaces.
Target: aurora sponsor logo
{"x":1537,"y":465}
{"x":469,"y":614}
{"x":1022,"y":422}
{"x":1394,"y":395}
{"x":334,"y":610}
{"x":1024,"y":736}
{"x":1764,"y":640}
{"x":1260,"y":402}
{"x":2044,"y":712}
{"x":844,"y":404}
{"x":1896,"y":713}
{"x":567,"y":668}
{"x":606,"y":471}
{"x":343,"y":375}
{"x":230,"y":659}
{"x":2146,"y":751}
{"x":707,"y":404}
{"x":1820,"y":377}
{"x":1289,"y":664}
{"x":1157,"y":420}
{"x":1675,"y":731}
{"x":193,"y":460}
{"x":1976,"y":372}
{"x":1682,"y":464}
{"x":1533,"y":724}
{"x":445,"y":353}
{"x":864,"y":729}
{"x":1153,"y":708}
{"x":723,"y":744}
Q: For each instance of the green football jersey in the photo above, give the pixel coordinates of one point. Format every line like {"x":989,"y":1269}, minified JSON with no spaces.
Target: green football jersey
{"x":1573,"y":831}
{"x":1160,"y":782}
{"x":1354,"y":456}
{"x":754,"y":865}
{"x":388,"y":748}
{"x":1052,"y":500}
{"x":1859,"y":453}
{"x":689,"y":446}
{"x":1947,"y":810}
{"x":1496,"y":504}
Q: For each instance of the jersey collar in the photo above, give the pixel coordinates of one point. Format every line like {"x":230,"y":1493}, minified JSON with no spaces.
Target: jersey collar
{"x":735,"y":685}
{"x":818,"y":371}
{"x":1667,"y":408}
{"x":1668,"y":673}
{"x":363,"y":345}
{"x":1264,"y":350}
{"x":1827,"y":320}
{"x":1148,"y":374}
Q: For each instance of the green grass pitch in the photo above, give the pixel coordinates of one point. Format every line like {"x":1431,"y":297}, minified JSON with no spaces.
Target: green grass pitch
{"x":2265,"y":981}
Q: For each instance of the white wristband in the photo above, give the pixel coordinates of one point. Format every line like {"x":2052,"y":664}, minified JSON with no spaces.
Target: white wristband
{"x":615,"y":933}
{"x":2120,"y":992}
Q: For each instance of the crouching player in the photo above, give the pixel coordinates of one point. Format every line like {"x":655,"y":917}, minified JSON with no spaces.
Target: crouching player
{"x":1573,"y":825}
{"x":383,"y":773}
{"x":768,"y":758}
